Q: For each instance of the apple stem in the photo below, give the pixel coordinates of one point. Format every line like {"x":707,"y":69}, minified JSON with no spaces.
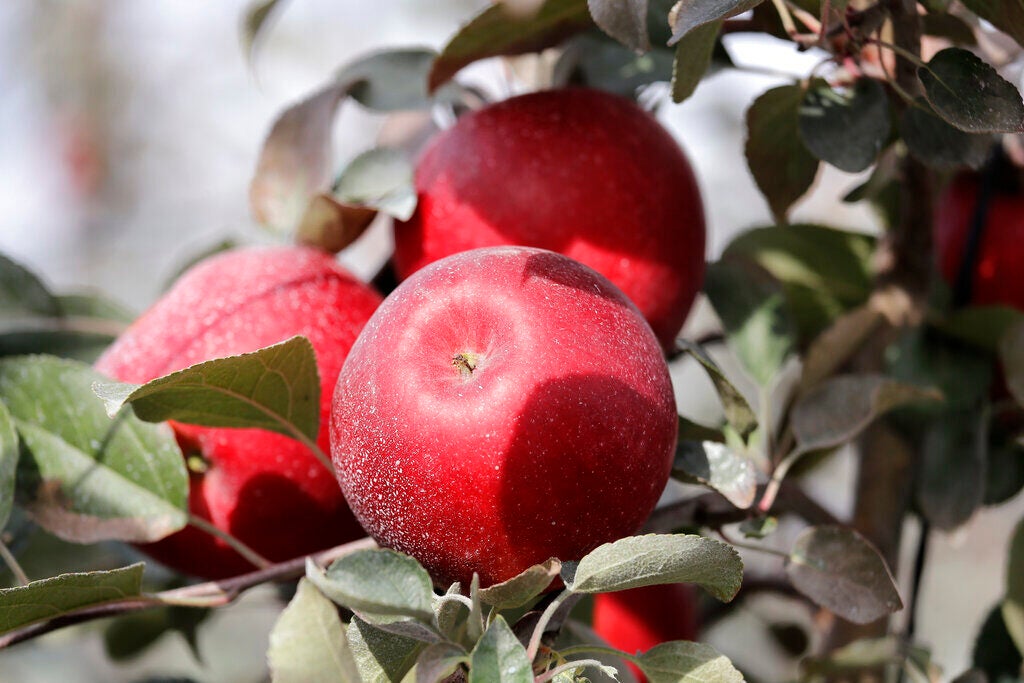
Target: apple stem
{"x":12,"y":564}
{"x":465,"y":362}
{"x":236,"y":545}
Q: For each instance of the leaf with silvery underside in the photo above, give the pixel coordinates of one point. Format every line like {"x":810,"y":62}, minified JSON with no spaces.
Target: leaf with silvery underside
{"x":717,"y":466}
{"x":738,"y":412}
{"x":8,"y":463}
{"x":623,"y":20}
{"x":499,"y":657}
{"x":521,"y":589}
{"x":378,"y":582}
{"x":394,"y":80}
{"x":497,"y":31}
{"x":438,"y":661}
{"x":275,"y":388}
{"x":970,"y":94}
{"x":60,"y":595}
{"x":654,"y":559}
{"x":685,"y":662}
{"x":308,"y":641}
{"x":841,"y":571}
{"x":840,"y":408}
{"x":688,"y":15}
{"x":381,"y":657}
{"x":380,"y":179}
{"x":84,"y":476}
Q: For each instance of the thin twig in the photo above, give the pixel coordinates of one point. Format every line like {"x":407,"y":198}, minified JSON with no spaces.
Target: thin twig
{"x":12,"y":564}
{"x":236,"y":544}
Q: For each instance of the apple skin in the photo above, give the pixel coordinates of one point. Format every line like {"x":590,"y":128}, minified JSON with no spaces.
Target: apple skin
{"x":636,"y":620}
{"x":582,"y":172}
{"x":263,"y":488}
{"x":561,"y":438}
{"x":999,"y":267}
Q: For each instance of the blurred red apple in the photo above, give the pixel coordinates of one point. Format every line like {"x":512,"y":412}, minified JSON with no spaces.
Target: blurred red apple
{"x":581,"y":172}
{"x":503,"y":406}
{"x":263,"y":488}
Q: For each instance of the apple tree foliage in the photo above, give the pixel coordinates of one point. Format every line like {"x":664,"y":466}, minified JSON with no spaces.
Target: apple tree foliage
{"x":905,"y":89}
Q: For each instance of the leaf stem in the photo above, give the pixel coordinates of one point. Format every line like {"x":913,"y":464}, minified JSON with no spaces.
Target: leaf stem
{"x":750,"y":546}
{"x":238,"y":546}
{"x":538,"y":632}
{"x":12,"y":564}
{"x":548,"y":675}
{"x":593,"y":649}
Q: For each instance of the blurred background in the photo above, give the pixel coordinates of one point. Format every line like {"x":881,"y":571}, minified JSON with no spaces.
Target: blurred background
{"x":128,"y":134}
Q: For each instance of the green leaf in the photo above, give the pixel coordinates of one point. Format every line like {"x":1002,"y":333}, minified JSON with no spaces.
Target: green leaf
{"x":981,"y":326}
{"x":824,"y":271}
{"x":54,"y":597}
{"x":381,"y":657}
{"x":128,"y":636}
{"x":378,"y":582}
{"x":1005,"y":15}
{"x":951,"y":479}
{"x":845,"y":127}
{"x":840,"y":408}
{"x":308,"y":643}
{"x":594,"y":60}
{"x":693,"y":56}
{"x":8,"y":463}
{"x":995,"y":653}
{"x":22,"y":293}
{"x":867,"y":654}
{"x":83,"y":476}
{"x":970,"y":95}
{"x":738,"y":412}
{"x":753,"y":310}
{"x":688,"y":15}
{"x":655,"y":559}
{"x":1011,"y":354}
{"x":719,"y":467}
{"x":521,"y":589}
{"x":1013,"y":604}
{"x":938,"y":144}
{"x":448,"y":614}
{"x":499,"y":657}
{"x":275,"y":388}
{"x":841,"y":571}
{"x":759,"y":527}
{"x":391,"y":80}
{"x":439,"y":661}
{"x":380,"y":179}
{"x":782,"y":167}
{"x":497,"y":31}
{"x":948,"y":26}
{"x":684,"y":662}
{"x":258,"y":17}
{"x":623,"y":20}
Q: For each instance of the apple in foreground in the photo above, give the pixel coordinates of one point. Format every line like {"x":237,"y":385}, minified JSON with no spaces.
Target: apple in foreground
{"x":997,"y":275}
{"x":636,"y":620}
{"x":503,"y":406}
{"x":263,"y":488}
{"x":581,"y":172}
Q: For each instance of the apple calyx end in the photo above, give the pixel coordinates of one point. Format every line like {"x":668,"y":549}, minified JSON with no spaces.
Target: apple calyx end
{"x":465,"y":363}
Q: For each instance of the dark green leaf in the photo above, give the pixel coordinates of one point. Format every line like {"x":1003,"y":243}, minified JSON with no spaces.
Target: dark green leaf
{"x":439,"y":661}
{"x":691,"y":431}
{"x":1005,"y":467}
{"x":845,"y":127}
{"x":82,"y":475}
{"x":96,"y":306}
{"x":951,"y":483}
{"x":380,"y":179}
{"x":8,"y":463}
{"x":377,"y":582}
{"x":594,"y":60}
{"x":381,"y":657}
{"x":683,"y":662}
{"x":521,"y":589}
{"x":719,"y":467}
{"x":840,"y":408}
{"x":130,"y":635}
{"x":308,"y":642}
{"x":1005,"y":15}
{"x":656,"y":559}
{"x":257,"y":19}
{"x":938,"y":144}
{"x":499,"y":657}
{"x":688,"y":15}
{"x":995,"y":652}
{"x":623,"y":20}
{"x":737,"y":411}
{"x":950,"y":27}
{"x":60,"y":595}
{"x":1011,"y":353}
{"x":970,"y":95}
{"x":1013,"y":604}
{"x":496,"y":31}
{"x":759,"y":527}
{"x":692,"y":59}
{"x":840,"y":570}
{"x":22,"y":293}
{"x":982,"y":326}
{"x":275,"y":388}
{"x":752,"y":307}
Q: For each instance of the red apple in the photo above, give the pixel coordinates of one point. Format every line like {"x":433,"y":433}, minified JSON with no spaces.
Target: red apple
{"x":638,"y":619}
{"x":581,"y":172}
{"x":998,"y":269}
{"x":503,"y":406}
{"x":264,"y":488}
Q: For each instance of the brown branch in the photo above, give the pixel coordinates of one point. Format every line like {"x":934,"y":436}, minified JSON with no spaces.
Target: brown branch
{"x":209,"y":594}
